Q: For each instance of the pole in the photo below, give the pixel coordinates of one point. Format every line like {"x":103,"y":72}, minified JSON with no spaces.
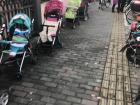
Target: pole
{"x":37,"y":16}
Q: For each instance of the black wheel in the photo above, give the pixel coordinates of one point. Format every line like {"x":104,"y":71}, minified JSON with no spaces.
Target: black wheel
{"x":78,"y":23}
{"x":73,"y":26}
{"x":4,"y":98}
{"x":85,"y":17}
{"x":2,"y":68}
{"x":33,"y":59}
{"x":19,"y":76}
{"x":133,"y":56}
{"x":130,"y":54}
{"x":36,"y":50}
{"x":57,"y":43}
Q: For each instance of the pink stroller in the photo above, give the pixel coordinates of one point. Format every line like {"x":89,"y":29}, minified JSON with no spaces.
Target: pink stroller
{"x":52,"y":23}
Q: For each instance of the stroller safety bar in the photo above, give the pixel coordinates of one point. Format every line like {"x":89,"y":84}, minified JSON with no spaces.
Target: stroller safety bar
{"x":72,"y":7}
{"x":9,"y":42}
{"x":8,"y":51}
{"x":48,"y":25}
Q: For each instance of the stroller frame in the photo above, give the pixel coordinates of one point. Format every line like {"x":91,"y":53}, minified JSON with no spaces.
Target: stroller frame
{"x":20,"y":55}
{"x":55,"y":38}
{"x":16,"y":59}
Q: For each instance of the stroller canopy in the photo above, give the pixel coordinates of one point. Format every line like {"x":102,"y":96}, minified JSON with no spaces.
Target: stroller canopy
{"x":74,"y":3}
{"x":22,"y":19}
{"x":53,"y":5}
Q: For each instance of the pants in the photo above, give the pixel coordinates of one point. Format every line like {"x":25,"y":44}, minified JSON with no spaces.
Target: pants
{"x":121,"y":4}
{"x":113,"y":7}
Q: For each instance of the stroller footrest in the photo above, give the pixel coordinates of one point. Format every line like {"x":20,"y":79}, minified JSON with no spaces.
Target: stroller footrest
{"x":9,"y":51}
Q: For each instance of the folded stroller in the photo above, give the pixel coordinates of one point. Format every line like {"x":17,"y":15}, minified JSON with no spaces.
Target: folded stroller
{"x":17,"y":46}
{"x":52,"y":24}
{"x":72,"y":13}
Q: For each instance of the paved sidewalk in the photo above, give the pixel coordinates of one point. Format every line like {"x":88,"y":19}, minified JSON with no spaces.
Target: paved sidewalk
{"x":88,"y":67}
{"x":73,"y":74}
{"x":116,"y":85}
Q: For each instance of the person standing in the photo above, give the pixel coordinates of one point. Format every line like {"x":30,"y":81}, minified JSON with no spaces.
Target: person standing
{"x":114,"y":3}
{"x":121,"y":4}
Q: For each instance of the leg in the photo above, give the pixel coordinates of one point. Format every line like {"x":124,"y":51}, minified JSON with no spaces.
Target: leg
{"x":113,"y":7}
{"x":122,"y":5}
{"x":119,"y":6}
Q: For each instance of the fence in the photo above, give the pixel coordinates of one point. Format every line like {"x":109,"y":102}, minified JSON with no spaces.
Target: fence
{"x":8,"y":8}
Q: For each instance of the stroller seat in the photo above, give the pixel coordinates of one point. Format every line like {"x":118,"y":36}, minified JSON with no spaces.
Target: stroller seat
{"x":51,"y":25}
{"x":19,"y":41}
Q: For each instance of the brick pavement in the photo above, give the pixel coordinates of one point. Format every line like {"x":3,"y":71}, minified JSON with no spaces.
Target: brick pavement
{"x":116,"y":84}
{"x":72,"y":75}
{"x":85,"y":68}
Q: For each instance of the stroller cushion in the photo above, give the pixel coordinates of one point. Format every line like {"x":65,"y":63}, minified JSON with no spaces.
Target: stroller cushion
{"x":70,"y":13}
{"x":52,"y":19}
{"x":19,"y":40}
{"x":15,"y":48}
{"x":51,"y":30}
{"x":20,"y":36}
{"x":21,"y":32}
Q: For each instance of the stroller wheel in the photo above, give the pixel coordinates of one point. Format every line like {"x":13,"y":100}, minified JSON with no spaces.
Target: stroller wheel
{"x":78,"y":23}
{"x":4,"y":98}
{"x":74,"y":26}
{"x":19,"y":76}
{"x":33,"y":60}
{"x":130,"y":55}
{"x":85,"y":18}
{"x":2,"y":68}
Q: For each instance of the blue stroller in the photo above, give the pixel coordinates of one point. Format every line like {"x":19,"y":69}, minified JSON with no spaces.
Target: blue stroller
{"x":17,"y":46}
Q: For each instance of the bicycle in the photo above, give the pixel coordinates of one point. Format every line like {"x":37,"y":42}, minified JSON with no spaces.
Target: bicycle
{"x":127,"y":8}
{"x":129,"y":16}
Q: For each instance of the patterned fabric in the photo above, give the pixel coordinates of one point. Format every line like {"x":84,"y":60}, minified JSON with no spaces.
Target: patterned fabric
{"x":54,"y":4}
{"x":20,"y":19}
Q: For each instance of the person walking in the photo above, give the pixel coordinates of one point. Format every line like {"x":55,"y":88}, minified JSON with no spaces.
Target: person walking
{"x":114,"y":3}
{"x":121,"y":4}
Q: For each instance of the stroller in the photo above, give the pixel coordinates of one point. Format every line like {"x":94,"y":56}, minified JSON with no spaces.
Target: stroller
{"x":72,"y":12}
{"x":17,"y":46}
{"x":52,"y":24}
{"x":83,"y":10}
